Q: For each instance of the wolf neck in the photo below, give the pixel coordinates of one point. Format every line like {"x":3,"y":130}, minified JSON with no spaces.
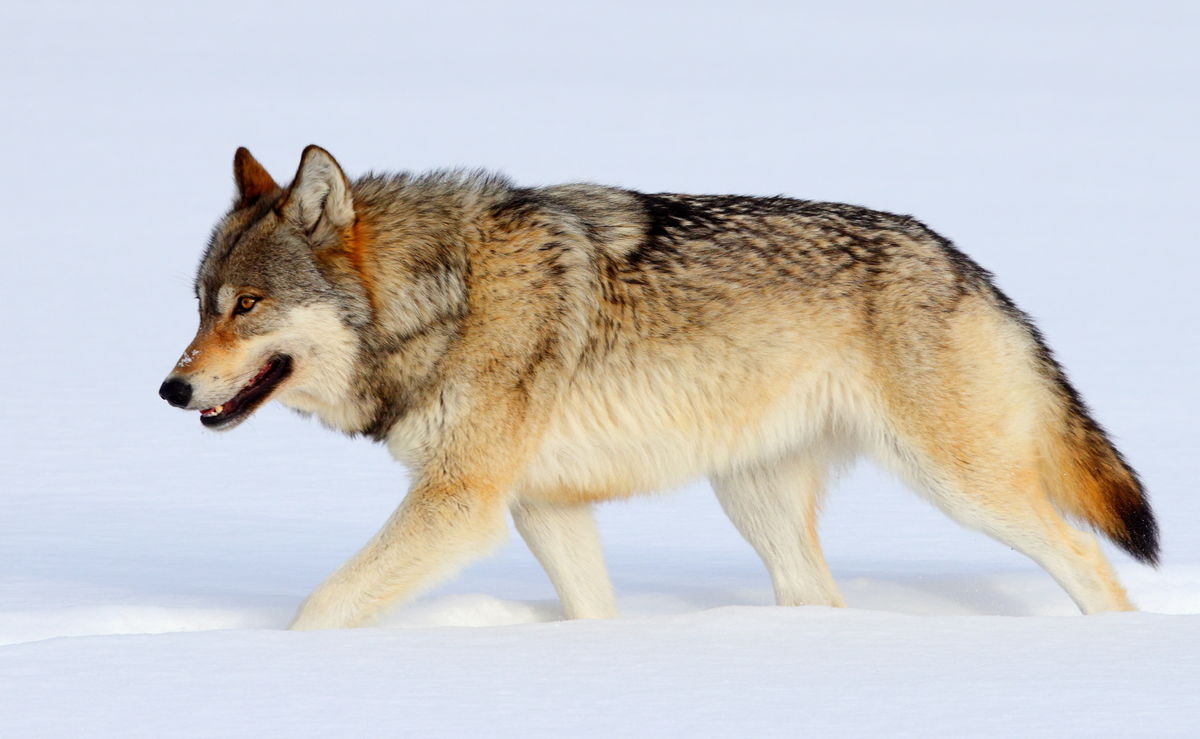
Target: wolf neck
{"x":404,"y":261}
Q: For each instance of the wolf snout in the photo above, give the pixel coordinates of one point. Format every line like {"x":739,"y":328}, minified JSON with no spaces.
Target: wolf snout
{"x":176,"y":392}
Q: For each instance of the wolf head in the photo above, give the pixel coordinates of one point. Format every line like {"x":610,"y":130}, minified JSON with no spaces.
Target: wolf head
{"x":272,"y":321}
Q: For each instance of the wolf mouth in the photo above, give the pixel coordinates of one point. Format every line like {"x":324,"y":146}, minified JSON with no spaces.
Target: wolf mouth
{"x":275,"y":371}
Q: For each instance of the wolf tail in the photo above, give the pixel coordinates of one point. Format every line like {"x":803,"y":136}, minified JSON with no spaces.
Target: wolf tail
{"x":1087,"y":478}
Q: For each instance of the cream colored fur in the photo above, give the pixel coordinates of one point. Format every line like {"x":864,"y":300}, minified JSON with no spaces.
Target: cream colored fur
{"x":563,"y":538}
{"x":766,"y":430}
{"x":539,"y":351}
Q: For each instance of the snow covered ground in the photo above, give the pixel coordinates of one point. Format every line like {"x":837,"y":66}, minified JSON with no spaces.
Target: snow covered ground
{"x":147,"y":567}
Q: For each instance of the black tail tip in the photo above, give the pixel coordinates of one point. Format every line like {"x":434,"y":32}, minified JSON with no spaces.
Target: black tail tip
{"x":1140,"y":537}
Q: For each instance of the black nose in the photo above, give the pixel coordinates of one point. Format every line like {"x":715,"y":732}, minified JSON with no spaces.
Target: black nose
{"x":175,"y":392}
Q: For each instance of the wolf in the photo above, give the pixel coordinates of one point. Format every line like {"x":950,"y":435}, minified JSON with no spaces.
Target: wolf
{"x":537,"y":350}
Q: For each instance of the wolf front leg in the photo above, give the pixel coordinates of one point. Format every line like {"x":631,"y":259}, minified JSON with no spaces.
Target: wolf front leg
{"x":519,"y":334}
{"x":435,"y":531}
{"x":563,"y":538}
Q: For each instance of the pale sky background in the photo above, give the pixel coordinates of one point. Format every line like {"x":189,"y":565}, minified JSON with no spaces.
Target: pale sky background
{"x":1053,"y":142}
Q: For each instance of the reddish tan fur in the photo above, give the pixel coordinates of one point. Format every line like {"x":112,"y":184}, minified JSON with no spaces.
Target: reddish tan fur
{"x":1086,"y":478}
{"x":252,"y":179}
{"x":539,"y":350}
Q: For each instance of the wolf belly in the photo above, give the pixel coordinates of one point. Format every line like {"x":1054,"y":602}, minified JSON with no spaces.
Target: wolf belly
{"x":658,"y":429}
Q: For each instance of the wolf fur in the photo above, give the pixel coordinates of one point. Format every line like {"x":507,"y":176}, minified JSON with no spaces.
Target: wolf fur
{"x":537,"y":350}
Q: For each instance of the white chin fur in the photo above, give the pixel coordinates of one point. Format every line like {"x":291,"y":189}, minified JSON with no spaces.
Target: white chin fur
{"x":324,"y":353}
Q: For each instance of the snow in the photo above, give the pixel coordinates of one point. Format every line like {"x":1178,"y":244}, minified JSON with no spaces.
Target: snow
{"x":147,"y":566}
{"x":732,"y":671}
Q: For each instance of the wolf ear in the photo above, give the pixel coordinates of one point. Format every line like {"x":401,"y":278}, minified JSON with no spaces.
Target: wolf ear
{"x":252,"y":180}
{"x":319,"y":191}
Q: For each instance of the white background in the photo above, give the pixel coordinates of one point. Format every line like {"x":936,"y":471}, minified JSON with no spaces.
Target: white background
{"x":1054,"y":142}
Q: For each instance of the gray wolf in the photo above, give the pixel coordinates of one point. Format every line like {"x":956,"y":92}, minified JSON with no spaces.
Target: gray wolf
{"x":537,"y":350}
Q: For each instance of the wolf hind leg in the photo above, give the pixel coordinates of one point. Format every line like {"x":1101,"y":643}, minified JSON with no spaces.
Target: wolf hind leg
{"x":981,"y":487}
{"x":564,"y":540}
{"x":775,"y":507}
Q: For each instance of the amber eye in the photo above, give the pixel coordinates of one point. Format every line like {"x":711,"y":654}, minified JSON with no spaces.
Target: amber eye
{"x":244,"y":304}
